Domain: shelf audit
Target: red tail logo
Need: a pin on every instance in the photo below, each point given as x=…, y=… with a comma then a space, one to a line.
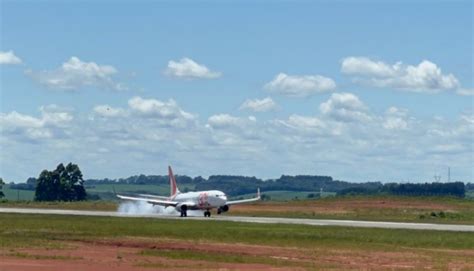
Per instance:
x=173, y=187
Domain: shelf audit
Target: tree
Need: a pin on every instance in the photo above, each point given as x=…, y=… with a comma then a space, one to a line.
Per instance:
x=1, y=186
x=64, y=184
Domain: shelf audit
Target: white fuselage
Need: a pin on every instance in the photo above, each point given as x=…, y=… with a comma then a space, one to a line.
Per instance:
x=201, y=200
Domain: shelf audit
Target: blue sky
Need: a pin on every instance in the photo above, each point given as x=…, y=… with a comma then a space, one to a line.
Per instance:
x=91, y=83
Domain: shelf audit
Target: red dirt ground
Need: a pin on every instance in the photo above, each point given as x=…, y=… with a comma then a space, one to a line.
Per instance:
x=118, y=255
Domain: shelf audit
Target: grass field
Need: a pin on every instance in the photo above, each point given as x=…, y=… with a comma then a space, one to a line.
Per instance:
x=14, y=195
x=148, y=243
x=378, y=208
x=470, y=194
x=385, y=208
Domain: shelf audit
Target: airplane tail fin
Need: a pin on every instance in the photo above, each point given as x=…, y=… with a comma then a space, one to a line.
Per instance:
x=173, y=187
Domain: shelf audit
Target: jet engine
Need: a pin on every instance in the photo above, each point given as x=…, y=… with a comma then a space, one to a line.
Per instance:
x=181, y=207
x=223, y=209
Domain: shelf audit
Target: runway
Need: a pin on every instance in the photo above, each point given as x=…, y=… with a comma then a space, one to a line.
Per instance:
x=266, y=220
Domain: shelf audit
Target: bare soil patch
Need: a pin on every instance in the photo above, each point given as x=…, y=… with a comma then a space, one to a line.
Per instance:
x=125, y=254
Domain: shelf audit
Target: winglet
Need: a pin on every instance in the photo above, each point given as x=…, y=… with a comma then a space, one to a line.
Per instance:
x=258, y=193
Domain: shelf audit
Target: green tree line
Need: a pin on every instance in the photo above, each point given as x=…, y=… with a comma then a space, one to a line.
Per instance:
x=1, y=186
x=65, y=183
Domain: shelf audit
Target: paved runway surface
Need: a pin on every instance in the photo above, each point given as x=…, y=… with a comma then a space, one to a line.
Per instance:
x=269, y=220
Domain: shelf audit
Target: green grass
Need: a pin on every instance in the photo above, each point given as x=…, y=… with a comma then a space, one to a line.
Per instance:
x=75, y=205
x=455, y=210
x=470, y=194
x=321, y=246
x=41, y=257
x=21, y=230
x=221, y=257
x=14, y=194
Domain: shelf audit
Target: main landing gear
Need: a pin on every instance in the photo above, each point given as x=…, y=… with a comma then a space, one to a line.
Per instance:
x=184, y=211
x=207, y=213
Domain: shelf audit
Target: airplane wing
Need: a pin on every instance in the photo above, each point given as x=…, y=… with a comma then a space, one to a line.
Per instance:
x=154, y=196
x=233, y=202
x=151, y=201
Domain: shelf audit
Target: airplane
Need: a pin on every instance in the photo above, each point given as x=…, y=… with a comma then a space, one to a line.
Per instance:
x=199, y=200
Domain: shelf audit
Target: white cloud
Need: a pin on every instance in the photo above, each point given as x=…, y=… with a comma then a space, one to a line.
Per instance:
x=75, y=74
x=300, y=85
x=9, y=57
x=157, y=108
x=256, y=105
x=366, y=66
x=395, y=119
x=188, y=68
x=303, y=123
x=395, y=124
x=465, y=91
x=344, y=107
x=221, y=121
x=53, y=115
x=468, y=118
x=425, y=77
x=24, y=127
x=15, y=120
x=142, y=111
x=109, y=111
x=227, y=131
x=165, y=113
x=384, y=147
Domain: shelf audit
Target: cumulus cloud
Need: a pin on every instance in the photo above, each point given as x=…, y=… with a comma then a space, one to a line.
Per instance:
x=75, y=74
x=345, y=107
x=141, y=110
x=383, y=146
x=9, y=58
x=424, y=77
x=189, y=69
x=395, y=119
x=298, y=125
x=227, y=131
x=227, y=121
x=109, y=111
x=259, y=105
x=25, y=127
x=366, y=66
x=222, y=120
x=300, y=85
x=158, y=109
